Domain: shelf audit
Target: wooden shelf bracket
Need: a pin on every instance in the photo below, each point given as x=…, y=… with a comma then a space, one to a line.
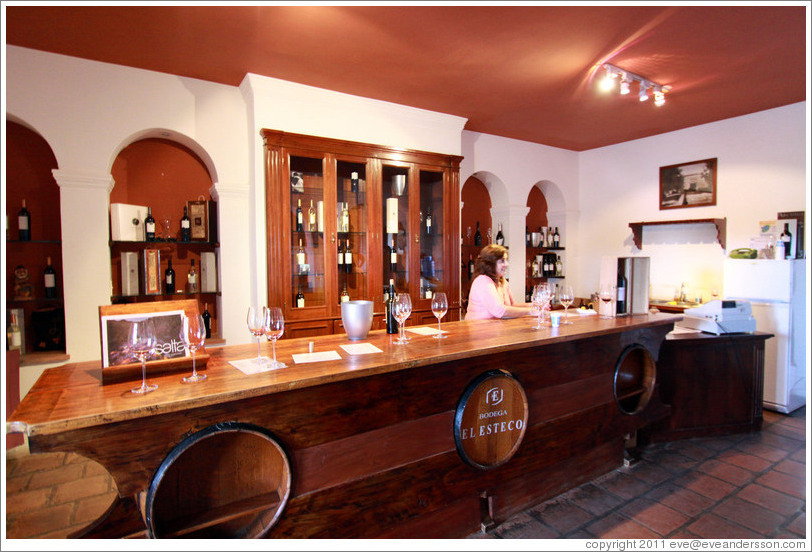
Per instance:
x=720, y=223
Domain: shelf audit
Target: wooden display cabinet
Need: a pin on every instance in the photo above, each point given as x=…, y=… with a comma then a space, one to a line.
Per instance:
x=350, y=185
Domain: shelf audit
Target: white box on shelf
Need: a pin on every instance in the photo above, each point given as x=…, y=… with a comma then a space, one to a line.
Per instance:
x=127, y=221
x=208, y=272
x=129, y=273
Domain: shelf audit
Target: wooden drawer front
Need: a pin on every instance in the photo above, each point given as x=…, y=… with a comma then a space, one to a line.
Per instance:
x=308, y=328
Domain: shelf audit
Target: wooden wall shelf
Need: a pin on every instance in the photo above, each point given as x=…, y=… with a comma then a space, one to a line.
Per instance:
x=720, y=223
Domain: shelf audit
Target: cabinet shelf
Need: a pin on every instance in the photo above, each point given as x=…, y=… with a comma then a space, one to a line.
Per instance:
x=136, y=245
x=543, y=249
x=720, y=223
x=48, y=242
x=160, y=296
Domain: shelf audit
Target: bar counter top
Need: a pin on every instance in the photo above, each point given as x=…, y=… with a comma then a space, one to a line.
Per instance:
x=73, y=397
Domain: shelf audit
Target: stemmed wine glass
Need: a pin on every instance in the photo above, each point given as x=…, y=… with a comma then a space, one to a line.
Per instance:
x=402, y=308
x=193, y=335
x=274, y=328
x=566, y=296
x=256, y=325
x=439, y=306
x=142, y=342
x=607, y=294
x=541, y=300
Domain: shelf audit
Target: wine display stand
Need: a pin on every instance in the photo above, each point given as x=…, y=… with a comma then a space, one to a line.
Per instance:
x=396, y=209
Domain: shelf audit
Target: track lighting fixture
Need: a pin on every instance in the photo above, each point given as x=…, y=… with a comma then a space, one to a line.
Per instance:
x=614, y=74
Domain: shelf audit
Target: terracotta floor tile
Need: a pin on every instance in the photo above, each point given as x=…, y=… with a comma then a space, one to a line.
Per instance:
x=561, y=515
x=615, y=526
x=650, y=473
x=784, y=483
x=744, y=460
x=675, y=462
x=761, y=450
x=65, y=474
x=623, y=485
x=750, y=515
x=705, y=485
x=524, y=526
x=798, y=525
x=778, y=502
x=593, y=499
x=681, y=499
x=692, y=449
x=790, y=467
x=657, y=517
x=714, y=527
x=726, y=472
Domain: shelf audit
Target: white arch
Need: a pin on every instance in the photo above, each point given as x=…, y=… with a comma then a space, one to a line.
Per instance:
x=495, y=186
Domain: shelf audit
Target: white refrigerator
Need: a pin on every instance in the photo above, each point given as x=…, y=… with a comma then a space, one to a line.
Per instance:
x=776, y=290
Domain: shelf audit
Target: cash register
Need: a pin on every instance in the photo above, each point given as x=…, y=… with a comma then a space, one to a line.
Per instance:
x=720, y=316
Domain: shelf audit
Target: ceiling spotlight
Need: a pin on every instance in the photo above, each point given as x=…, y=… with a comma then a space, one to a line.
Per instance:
x=643, y=94
x=659, y=96
x=608, y=81
x=624, y=85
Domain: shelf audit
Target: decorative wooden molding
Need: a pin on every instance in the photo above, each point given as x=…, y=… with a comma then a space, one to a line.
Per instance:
x=720, y=223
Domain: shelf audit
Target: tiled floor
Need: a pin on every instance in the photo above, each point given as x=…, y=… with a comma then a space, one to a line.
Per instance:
x=740, y=486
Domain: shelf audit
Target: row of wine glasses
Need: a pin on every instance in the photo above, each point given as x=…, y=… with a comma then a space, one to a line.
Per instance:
x=268, y=322
x=402, y=309
x=143, y=342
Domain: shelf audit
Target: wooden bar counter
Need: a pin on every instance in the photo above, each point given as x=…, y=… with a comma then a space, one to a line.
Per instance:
x=366, y=446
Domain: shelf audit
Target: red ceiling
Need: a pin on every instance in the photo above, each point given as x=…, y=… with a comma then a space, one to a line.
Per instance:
x=525, y=72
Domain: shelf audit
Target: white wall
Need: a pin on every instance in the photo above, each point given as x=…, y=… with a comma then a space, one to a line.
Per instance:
x=760, y=172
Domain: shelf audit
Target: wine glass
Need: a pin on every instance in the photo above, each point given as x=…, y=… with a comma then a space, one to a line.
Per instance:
x=256, y=325
x=274, y=328
x=566, y=296
x=439, y=306
x=607, y=294
x=541, y=300
x=141, y=342
x=193, y=335
x=402, y=308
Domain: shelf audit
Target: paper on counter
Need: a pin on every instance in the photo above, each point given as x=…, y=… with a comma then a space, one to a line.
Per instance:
x=425, y=330
x=249, y=366
x=680, y=329
x=586, y=312
x=361, y=348
x=303, y=358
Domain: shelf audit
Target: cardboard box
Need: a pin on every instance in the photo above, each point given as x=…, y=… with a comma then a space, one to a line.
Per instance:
x=127, y=222
x=208, y=272
x=129, y=273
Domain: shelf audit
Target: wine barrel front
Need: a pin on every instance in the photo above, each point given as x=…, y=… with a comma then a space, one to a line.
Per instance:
x=635, y=375
x=230, y=480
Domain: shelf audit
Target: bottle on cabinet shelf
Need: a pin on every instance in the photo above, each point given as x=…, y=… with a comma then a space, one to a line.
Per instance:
x=428, y=221
x=527, y=241
x=620, y=304
x=345, y=217
x=49, y=276
x=300, y=298
x=311, y=217
x=477, y=235
x=299, y=217
x=345, y=296
x=169, y=278
x=206, y=316
x=391, y=322
x=149, y=226
x=347, y=258
x=393, y=256
x=340, y=257
x=470, y=267
x=185, y=226
x=13, y=335
x=559, y=267
x=24, y=223
x=556, y=238
x=354, y=182
x=500, y=238
x=786, y=238
x=191, y=279
x=301, y=258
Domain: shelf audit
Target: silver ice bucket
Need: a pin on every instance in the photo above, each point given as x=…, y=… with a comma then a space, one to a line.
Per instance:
x=357, y=318
x=399, y=184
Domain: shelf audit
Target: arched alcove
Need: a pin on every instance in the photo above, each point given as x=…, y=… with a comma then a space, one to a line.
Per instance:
x=476, y=209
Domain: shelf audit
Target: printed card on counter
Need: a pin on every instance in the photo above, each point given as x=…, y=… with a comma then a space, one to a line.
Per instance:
x=425, y=330
x=361, y=348
x=303, y=358
x=249, y=366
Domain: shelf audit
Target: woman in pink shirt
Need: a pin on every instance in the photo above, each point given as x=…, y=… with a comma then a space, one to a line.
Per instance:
x=490, y=296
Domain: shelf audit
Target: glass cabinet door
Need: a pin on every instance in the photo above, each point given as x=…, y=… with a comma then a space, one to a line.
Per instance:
x=432, y=230
x=396, y=231
x=351, y=231
x=307, y=224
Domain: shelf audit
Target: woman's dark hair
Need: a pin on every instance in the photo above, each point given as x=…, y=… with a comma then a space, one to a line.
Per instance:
x=486, y=261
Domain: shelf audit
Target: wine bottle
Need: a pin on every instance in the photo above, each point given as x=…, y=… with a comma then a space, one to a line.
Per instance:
x=185, y=226
x=621, y=292
x=786, y=237
x=345, y=218
x=206, y=316
x=13, y=335
x=559, y=266
x=354, y=182
x=149, y=226
x=527, y=241
x=477, y=235
x=169, y=278
x=391, y=322
x=393, y=255
x=311, y=217
x=191, y=279
x=301, y=259
x=428, y=221
x=556, y=238
x=340, y=257
x=500, y=238
x=470, y=267
x=49, y=275
x=299, y=217
x=347, y=258
x=300, y=298
x=543, y=242
x=24, y=223
x=344, y=295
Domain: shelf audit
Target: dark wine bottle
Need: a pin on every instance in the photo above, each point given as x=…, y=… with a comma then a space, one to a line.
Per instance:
x=470, y=267
x=191, y=279
x=185, y=226
x=300, y=298
x=527, y=241
x=786, y=237
x=24, y=223
x=621, y=292
x=340, y=257
x=169, y=278
x=393, y=256
x=500, y=238
x=299, y=217
x=391, y=322
x=49, y=275
x=149, y=226
x=556, y=238
x=428, y=221
x=206, y=316
x=477, y=235
x=347, y=258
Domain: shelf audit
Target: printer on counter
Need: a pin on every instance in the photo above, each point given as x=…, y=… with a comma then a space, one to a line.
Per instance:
x=719, y=317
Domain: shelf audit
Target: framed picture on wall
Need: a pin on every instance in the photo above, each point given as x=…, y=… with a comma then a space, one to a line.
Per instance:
x=691, y=184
